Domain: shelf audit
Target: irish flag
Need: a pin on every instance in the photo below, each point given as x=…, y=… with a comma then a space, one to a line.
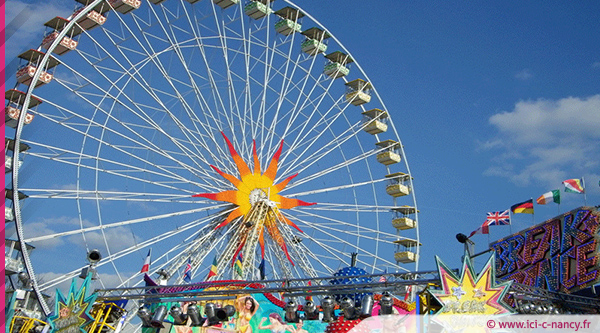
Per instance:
x=574, y=185
x=552, y=196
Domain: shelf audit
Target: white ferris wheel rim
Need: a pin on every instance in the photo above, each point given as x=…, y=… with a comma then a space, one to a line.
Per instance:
x=289, y=162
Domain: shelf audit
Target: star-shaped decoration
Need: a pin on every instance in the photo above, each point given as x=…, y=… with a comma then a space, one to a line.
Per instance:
x=477, y=293
x=72, y=313
x=481, y=291
x=458, y=292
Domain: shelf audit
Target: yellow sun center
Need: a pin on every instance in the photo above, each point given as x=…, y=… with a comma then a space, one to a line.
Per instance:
x=254, y=188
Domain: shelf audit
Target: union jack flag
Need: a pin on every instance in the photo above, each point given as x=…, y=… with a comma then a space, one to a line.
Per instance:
x=497, y=218
x=187, y=273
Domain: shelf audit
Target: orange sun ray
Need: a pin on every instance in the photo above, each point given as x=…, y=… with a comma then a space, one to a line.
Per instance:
x=290, y=223
x=284, y=183
x=276, y=236
x=229, y=196
x=272, y=169
x=232, y=216
x=287, y=203
x=239, y=248
x=239, y=162
x=232, y=179
x=255, y=158
x=261, y=241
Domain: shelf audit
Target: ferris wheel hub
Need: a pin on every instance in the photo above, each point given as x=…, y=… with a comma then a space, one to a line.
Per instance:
x=256, y=195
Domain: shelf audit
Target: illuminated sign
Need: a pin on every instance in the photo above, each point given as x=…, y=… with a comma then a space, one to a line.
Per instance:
x=71, y=314
x=471, y=293
x=560, y=254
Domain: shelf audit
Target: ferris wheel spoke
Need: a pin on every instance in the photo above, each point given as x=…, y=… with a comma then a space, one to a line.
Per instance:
x=333, y=169
x=118, y=224
x=299, y=256
x=143, y=84
x=308, y=256
x=351, y=207
x=336, y=188
x=66, y=158
x=142, y=116
x=69, y=157
x=210, y=75
x=232, y=97
x=127, y=251
x=283, y=89
x=314, y=111
x=340, y=225
x=295, y=111
x=268, y=67
x=335, y=253
x=327, y=246
x=324, y=149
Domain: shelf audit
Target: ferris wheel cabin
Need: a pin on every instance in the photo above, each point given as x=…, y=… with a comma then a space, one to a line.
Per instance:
x=288, y=24
x=67, y=43
x=390, y=153
x=337, y=65
x=406, y=250
x=26, y=72
x=258, y=9
x=94, y=17
x=375, y=121
x=8, y=167
x=125, y=6
x=358, y=92
x=313, y=44
x=12, y=111
x=9, y=214
x=224, y=4
x=396, y=184
x=12, y=256
x=402, y=217
x=27, y=309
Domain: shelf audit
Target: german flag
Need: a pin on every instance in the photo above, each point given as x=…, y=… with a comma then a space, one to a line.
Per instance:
x=525, y=207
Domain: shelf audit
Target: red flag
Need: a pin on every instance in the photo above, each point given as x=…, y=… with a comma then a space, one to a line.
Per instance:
x=484, y=229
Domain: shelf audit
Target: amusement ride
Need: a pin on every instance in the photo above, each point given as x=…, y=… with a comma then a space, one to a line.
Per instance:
x=241, y=136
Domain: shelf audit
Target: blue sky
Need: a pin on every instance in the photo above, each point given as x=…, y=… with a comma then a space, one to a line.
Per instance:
x=495, y=103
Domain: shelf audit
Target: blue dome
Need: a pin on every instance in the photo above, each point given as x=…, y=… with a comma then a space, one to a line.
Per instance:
x=344, y=279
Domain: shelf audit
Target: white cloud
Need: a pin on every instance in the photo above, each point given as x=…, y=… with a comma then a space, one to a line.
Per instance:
x=43, y=227
x=26, y=23
x=117, y=238
x=547, y=141
x=596, y=65
x=524, y=74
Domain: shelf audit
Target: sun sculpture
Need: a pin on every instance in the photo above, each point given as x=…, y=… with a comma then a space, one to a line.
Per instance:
x=258, y=202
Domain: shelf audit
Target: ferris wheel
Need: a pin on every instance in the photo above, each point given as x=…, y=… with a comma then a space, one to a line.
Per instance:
x=241, y=139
